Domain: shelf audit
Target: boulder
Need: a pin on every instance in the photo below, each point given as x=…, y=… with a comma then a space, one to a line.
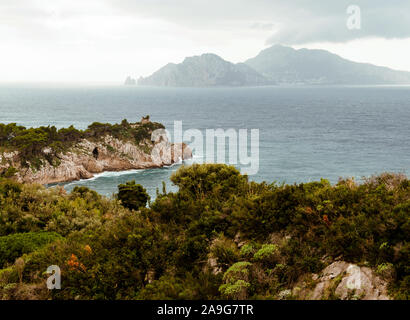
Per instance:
x=346, y=281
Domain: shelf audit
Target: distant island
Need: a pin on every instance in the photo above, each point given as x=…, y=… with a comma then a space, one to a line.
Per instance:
x=275, y=65
x=130, y=81
x=46, y=155
x=204, y=71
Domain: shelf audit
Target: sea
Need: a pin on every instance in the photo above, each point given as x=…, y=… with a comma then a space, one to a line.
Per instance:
x=305, y=132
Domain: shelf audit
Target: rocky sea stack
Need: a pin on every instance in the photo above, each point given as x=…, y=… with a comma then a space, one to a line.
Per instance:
x=48, y=155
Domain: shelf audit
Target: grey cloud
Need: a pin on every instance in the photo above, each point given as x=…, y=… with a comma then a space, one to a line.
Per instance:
x=289, y=21
x=378, y=19
x=297, y=21
x=262, y=26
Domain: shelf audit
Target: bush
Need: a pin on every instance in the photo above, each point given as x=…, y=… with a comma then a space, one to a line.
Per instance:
x=132, y=196
x=267, y=254
x=284, y=232
x=209, y=180
x=8, y=173
x=225, y=251
x=15, y=245
x=236, y=280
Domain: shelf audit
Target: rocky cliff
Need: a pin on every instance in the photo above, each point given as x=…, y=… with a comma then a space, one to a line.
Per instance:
x=341, y=280
x=90, y=156
x=206, y=70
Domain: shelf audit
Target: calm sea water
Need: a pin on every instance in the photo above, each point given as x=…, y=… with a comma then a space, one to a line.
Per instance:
x=305, y=132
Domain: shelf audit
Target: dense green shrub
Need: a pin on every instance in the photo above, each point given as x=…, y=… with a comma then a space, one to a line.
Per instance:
x=224, y=251
x=8, y=173
x=209, y=180
x=132, y=196
x=218, y=236
x=33, y=208
x=15, y=245
x=236, y=280
x=267, y=253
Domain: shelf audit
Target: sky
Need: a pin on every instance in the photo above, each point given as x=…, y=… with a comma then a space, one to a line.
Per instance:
x=106, y=40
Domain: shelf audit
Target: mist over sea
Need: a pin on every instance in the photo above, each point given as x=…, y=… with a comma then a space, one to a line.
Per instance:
x=306, y=133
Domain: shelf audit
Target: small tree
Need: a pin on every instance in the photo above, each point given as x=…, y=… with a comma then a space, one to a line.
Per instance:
x=236, y=280
x=132, y=196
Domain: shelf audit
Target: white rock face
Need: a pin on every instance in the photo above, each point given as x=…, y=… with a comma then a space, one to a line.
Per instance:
x=349, y=281
x=113, y=155
x=7, y=156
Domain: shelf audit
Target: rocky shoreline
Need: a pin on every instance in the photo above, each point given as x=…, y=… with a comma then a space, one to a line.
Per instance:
x=89, y=157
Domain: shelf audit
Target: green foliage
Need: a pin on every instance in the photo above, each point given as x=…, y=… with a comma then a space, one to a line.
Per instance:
x=239, y=270
x=15, y=245
x=132, y=196
x=386, y=270
x=209, y=180
x=186, y=287
x=7, y=275
x=136, y=132
x=8, y=173
x=236, y=290
x=247, y=250
x=267, y=253
x=218, y=236
x=224, y=250
x=236, y=281
x=167, y=288
x=9, y=188
x=33, y=208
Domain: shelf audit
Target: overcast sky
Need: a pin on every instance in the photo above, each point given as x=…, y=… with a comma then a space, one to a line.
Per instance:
x=106, y=40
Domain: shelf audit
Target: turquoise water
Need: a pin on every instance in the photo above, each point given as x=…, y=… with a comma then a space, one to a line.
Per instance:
x=305, y=132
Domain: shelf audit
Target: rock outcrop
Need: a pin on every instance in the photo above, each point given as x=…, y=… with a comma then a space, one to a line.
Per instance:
x=89, y=157
x=345, y=281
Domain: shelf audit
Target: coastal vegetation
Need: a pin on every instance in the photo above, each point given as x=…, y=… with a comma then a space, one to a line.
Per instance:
x=220, y=236
x=45, y=144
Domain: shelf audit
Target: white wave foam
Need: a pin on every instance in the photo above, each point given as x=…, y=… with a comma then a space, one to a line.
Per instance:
x=107, y=174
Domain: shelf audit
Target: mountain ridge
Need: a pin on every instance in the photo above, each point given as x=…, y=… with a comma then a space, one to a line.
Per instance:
x=317, y=66
x=277, y=64
x=207, y=69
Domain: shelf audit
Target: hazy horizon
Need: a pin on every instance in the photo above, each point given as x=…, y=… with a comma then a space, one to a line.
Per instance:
x=105, y=41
